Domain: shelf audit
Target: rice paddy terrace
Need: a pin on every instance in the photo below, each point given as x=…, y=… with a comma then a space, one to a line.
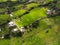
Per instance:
x=30, y=22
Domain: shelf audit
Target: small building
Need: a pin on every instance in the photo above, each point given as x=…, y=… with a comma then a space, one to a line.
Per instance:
x=11, y=15
x=54, y=12
x=22, y=29
x=49, y=12
x=2, y=36
x=11, y=24
x=15, y=29
x=0, y=30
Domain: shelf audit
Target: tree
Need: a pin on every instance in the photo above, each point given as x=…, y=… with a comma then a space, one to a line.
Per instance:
x=58, y=4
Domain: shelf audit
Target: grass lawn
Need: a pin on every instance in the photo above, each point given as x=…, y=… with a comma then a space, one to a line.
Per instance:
x=46, y=33
x=6, y=0
x=16, y=41
x=48, y=38
x=4, y=42
x=3, y=0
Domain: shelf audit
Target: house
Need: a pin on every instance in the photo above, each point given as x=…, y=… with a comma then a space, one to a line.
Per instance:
x=49, y=12
x=11, y=24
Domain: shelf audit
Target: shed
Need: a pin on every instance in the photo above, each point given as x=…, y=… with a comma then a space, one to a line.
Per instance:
x=22, y=29
x=15, y=29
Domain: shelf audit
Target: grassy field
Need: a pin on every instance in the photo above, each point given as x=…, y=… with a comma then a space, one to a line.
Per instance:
x=6, y=0
x=3, y=0
x=4, y=42
x=46, y=33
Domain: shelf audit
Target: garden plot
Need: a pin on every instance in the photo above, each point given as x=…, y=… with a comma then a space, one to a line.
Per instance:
x=32, y=16
x=32, y=5
x=18, y=6
x=23, y=9
x=3, y=0
x=19, y=13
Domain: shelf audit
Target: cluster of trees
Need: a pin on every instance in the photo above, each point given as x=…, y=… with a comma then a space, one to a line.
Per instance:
x=58, y=4
x=4, y=19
